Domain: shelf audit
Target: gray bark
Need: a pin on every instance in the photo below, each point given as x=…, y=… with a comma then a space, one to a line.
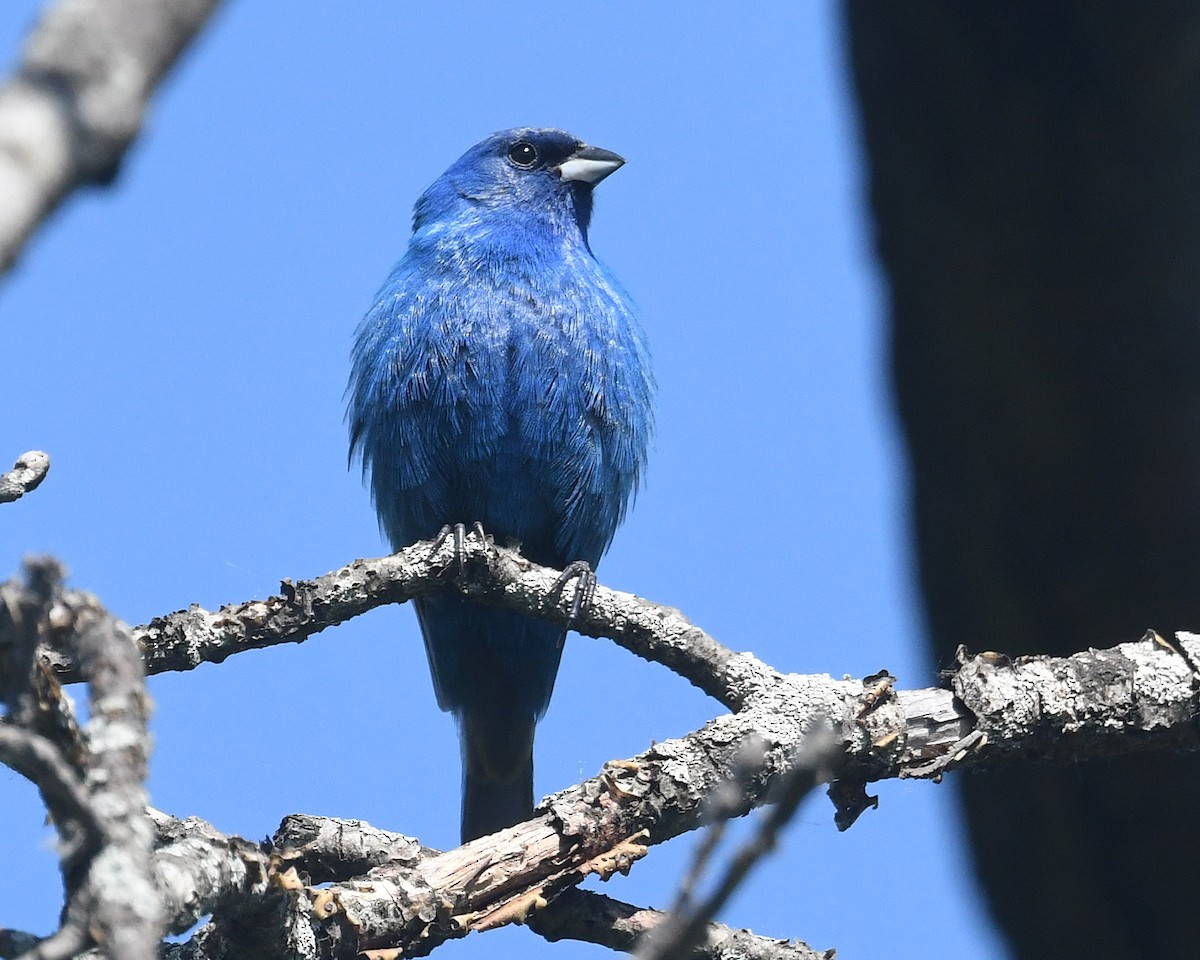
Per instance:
x=78, y=100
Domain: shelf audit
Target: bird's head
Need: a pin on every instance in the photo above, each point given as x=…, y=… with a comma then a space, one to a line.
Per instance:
x=529, y=175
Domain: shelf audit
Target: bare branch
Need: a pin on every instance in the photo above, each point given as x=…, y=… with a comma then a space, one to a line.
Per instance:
x=1132, y=697
x=601, y=826
x=595, y=918
x=92, y=780
x=1135, y=696
x=493, y=575
x=200, y=870
x=38, y=760
x=330, y=849
x=77, y=100
x=25, y=476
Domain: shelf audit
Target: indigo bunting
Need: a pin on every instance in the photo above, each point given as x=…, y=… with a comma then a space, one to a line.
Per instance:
x=502, y=378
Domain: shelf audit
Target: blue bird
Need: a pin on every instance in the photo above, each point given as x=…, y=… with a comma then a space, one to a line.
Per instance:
x=501, y=377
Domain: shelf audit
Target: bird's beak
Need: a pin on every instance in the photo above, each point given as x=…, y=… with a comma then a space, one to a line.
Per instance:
x=590, y=164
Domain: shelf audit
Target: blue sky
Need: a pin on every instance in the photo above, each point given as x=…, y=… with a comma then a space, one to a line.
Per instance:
x=178, y=344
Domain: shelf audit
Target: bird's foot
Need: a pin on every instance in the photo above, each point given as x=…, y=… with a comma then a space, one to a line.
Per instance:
x=585, y=588
x=459, y=532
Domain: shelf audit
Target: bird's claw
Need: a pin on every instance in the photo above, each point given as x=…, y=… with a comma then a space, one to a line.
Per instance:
x=585, y=588
x=459, y=532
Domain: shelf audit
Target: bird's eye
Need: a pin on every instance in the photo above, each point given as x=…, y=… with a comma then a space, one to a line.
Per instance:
x=523, y=153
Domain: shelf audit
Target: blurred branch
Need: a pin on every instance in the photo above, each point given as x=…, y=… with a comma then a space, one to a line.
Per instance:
x=16, y=943
x=39, y=761
x=25, y=476
x=77, y=100
x=197, y=870
x=91, y=780
x=123, y=909
x=687, y=929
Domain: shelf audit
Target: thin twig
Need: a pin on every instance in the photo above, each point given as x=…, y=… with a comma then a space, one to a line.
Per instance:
x=680, y=935
x=38, y=760
x=726, y=801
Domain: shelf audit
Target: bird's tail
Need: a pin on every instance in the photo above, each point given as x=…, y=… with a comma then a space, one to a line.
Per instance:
x=497, y=772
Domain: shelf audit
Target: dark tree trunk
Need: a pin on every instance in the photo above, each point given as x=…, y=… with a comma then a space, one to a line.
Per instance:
x=1035, y=183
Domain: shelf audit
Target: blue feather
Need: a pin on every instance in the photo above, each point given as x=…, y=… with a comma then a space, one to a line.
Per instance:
x=501, y=376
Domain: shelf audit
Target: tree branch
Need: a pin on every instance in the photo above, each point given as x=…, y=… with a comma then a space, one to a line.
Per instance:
x=92, y=780
x=604, y=825
x=325, y=849
x=493, y=575
x=124, y=910
x=1132, y=697
x=39, y=761
x=687, y=929
x=1135, y=696
x=77, y=100
x=25, y=476
x=595, y=918
x=200, y=870
x=16, y=943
